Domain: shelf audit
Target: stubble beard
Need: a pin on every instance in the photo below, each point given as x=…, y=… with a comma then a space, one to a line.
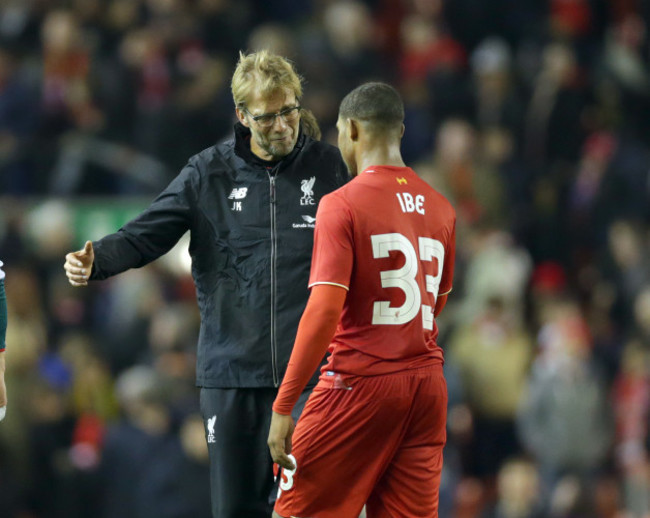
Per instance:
x=278, y=151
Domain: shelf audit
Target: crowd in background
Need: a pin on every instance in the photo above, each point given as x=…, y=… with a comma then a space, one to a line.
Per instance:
x=531, y=116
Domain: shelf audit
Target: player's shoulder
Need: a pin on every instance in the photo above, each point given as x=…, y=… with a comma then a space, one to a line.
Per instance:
x=340, y=200
x=346, y=193
x=438, y=196
x=439, y=199
x=337, y=197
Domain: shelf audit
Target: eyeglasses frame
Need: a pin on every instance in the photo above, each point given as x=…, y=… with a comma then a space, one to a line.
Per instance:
x=281, y=113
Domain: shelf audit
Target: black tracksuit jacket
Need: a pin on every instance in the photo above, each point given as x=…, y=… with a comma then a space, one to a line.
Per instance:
x=251, y=226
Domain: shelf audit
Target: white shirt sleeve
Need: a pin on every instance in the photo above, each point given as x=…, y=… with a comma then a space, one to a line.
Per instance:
x=2, y=274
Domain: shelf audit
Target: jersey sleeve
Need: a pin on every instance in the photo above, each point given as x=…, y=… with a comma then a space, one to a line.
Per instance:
x=333, y=243
x=446, y=282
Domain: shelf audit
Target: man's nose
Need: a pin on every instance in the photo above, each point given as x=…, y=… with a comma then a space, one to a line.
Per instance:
x=279, y=123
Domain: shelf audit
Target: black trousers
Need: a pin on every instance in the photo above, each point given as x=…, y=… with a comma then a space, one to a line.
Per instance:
x=241, y=470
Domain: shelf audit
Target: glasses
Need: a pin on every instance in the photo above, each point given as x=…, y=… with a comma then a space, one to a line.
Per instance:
x=266, y=120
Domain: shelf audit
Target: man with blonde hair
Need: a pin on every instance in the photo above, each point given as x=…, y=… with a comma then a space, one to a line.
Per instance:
x=250, y=206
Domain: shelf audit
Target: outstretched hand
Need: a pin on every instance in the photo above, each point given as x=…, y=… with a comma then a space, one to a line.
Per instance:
x=279, y=441
x=79, y=264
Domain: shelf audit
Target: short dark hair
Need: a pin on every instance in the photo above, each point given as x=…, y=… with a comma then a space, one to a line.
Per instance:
x=376, y=103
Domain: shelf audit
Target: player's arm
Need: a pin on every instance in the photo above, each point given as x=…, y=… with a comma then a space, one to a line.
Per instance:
x=315, y=332
x=447, y=272
x=3, y=333
x=440, y=304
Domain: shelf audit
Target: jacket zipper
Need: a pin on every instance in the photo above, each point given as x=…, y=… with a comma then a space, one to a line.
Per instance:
x=274, y=346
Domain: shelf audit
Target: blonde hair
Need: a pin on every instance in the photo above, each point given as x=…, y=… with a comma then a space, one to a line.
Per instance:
x=265, y=73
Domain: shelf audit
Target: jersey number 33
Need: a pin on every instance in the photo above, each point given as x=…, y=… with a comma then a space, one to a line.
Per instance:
x=405, y=278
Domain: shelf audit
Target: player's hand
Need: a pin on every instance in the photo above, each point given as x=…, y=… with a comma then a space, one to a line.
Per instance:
x=3, y=387
x=279, y=441
x=79, y=264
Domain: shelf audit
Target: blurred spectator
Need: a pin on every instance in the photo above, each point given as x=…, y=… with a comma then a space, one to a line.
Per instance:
x=625, y=62
x=497, y=99
x=475, y=189
x=178, y=476
x=554, y=123
x=459, y=423
x=428, y=47
x=66, y=95
x=496, y=269
x=224, y=24
x=626, y=248
x=564, y=420
x=144, y=53
x=350, y=39
x=610, y=185
x=61, y=483
x=432, y=57
x=517, y=490
x=126, y=312
x=132, y=444
x=91, y=385
x=631, y=399
x=494, y=351
x=18, y=120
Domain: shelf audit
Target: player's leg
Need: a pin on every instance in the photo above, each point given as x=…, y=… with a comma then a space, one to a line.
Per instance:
x=409, y=488
x=237, y=423
x=342, y=443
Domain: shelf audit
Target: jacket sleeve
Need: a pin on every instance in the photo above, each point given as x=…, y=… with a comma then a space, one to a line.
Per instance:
x=152, y=233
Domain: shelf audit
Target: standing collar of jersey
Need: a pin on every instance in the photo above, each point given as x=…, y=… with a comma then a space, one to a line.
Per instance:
x=243, y=148
x=392, y=169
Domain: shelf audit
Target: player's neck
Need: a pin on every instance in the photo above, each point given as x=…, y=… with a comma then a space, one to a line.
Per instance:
x=384, y=155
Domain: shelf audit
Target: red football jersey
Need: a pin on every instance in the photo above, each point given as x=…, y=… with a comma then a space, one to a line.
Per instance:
x=389, y=238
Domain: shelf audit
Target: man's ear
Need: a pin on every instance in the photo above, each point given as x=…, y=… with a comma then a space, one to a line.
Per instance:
x=353, y=129
x=401, y=133
x=241, y=117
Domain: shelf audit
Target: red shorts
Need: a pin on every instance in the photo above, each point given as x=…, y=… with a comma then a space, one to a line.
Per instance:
x=375, y=441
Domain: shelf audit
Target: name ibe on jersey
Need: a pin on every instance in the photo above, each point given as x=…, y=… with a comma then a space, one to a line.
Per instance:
x=410, y=203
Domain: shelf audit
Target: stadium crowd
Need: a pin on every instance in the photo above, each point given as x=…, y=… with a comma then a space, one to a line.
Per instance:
x=531, y=116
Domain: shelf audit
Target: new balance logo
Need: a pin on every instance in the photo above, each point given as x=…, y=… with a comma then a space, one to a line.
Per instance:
x=401, y=180
x=238, y=193
x=211, y=423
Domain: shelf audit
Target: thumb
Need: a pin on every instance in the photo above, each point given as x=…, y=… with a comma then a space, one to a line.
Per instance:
x=88, y=248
